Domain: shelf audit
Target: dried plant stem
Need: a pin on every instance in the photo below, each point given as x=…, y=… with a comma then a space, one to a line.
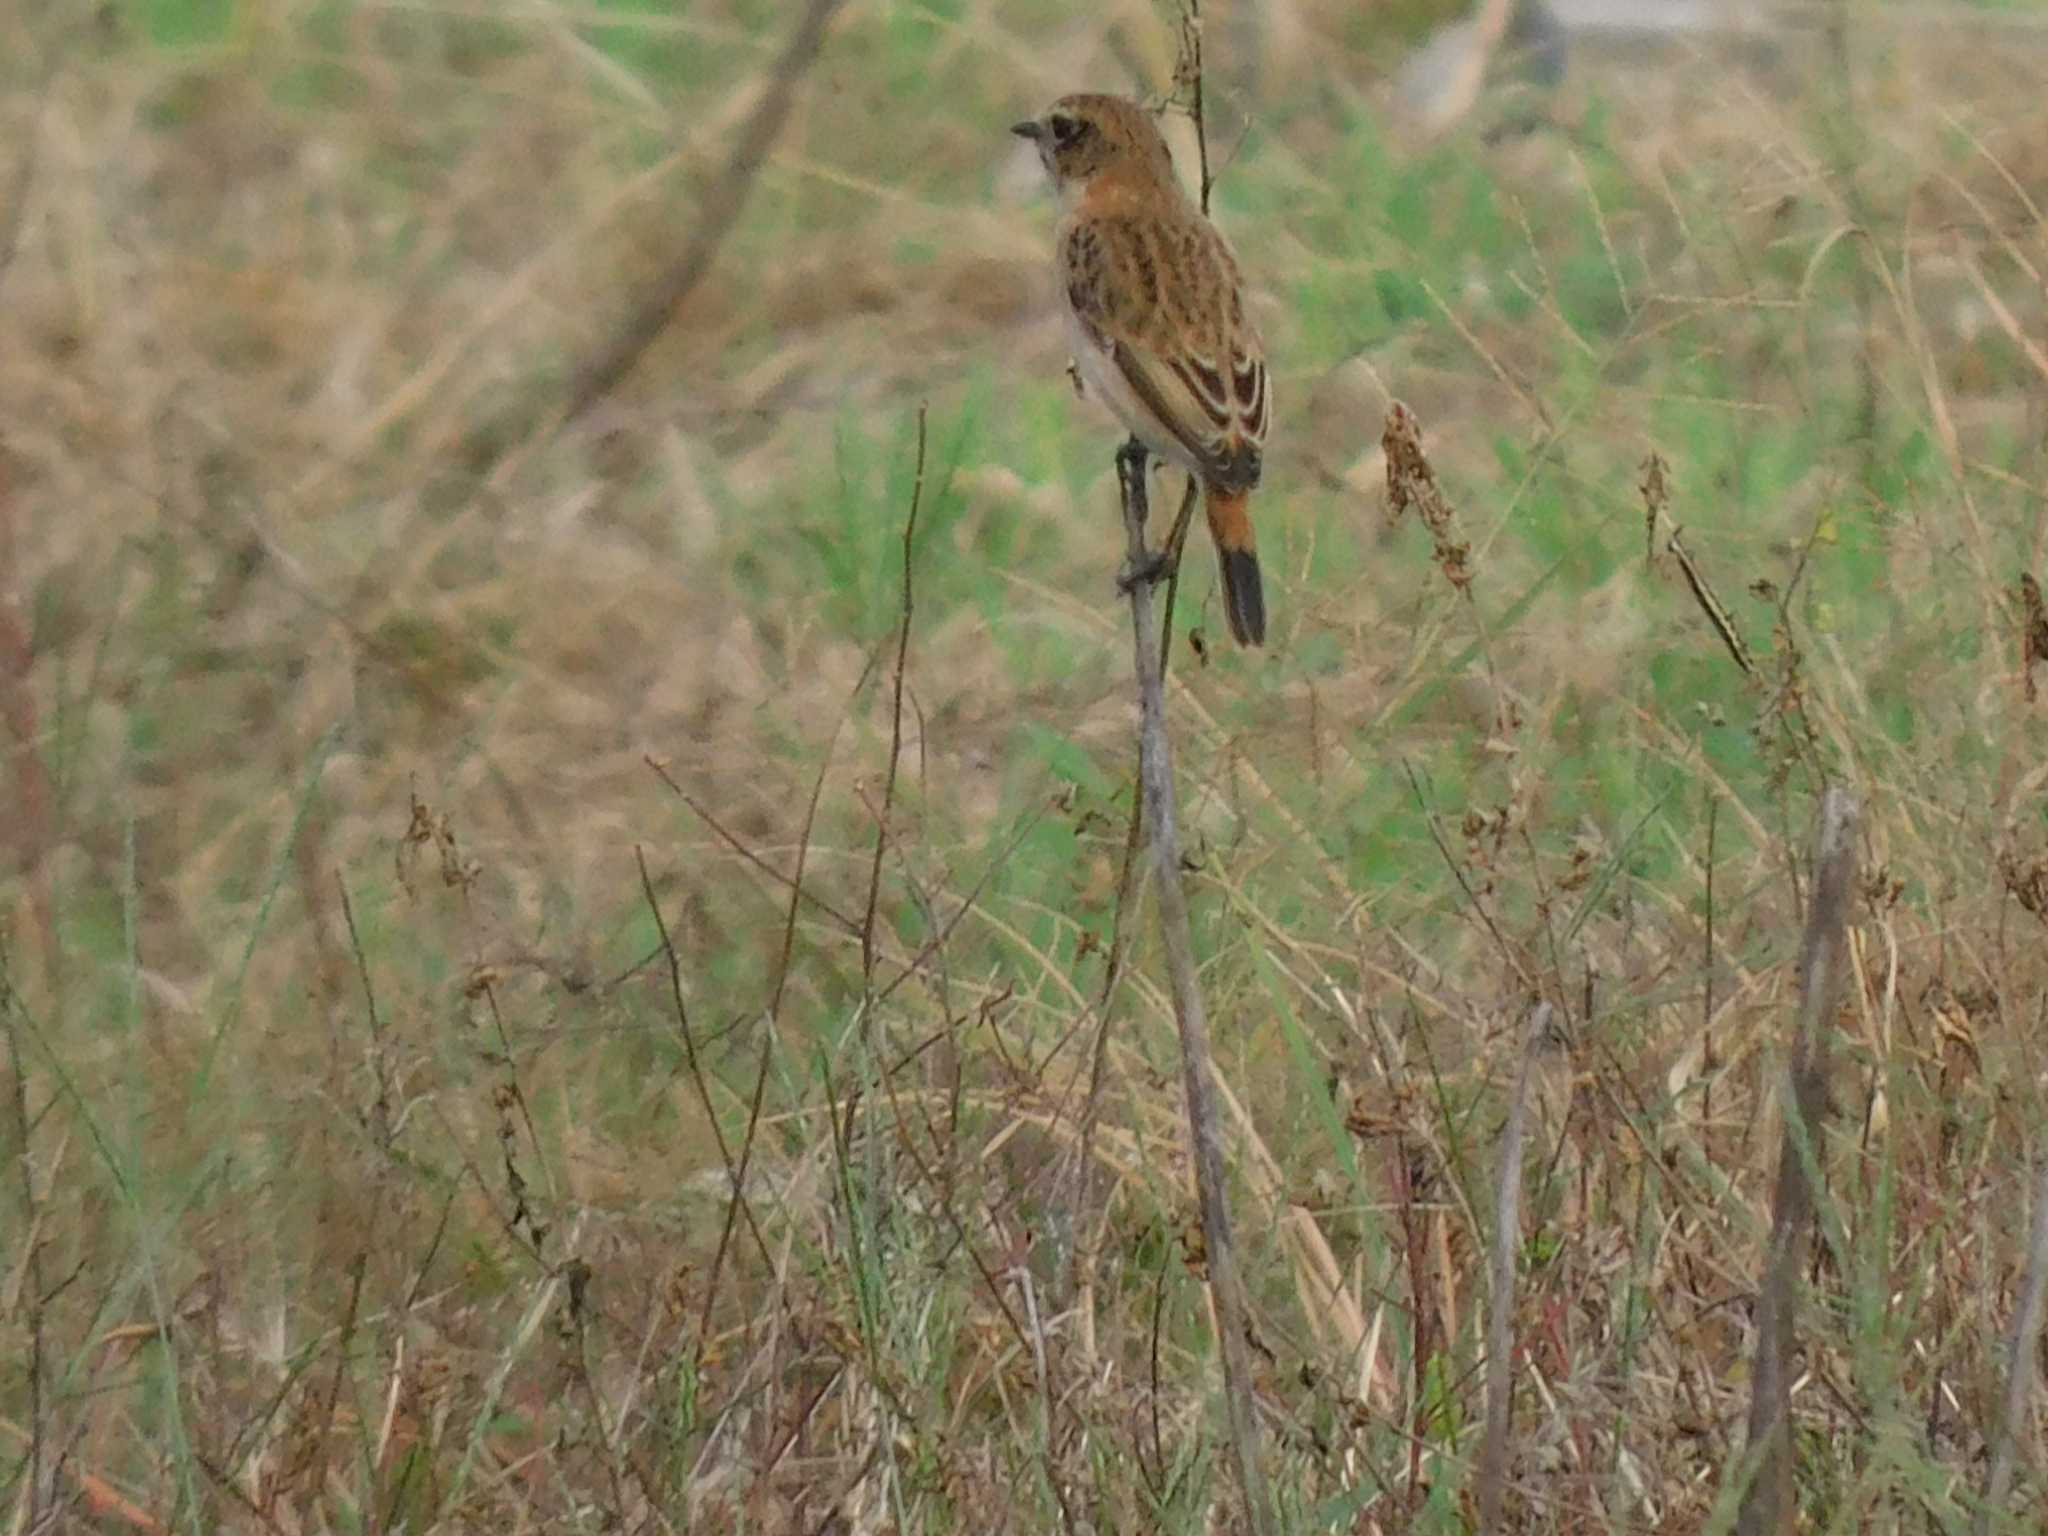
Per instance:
x=1767, y=1501
x=1188, y=75
x=1162, y=835
x=1500, y=1307
x=867, y=921
x=28, y=786
x=735, y=1169
x=38, y=1470
x=2019, y=1357
x=1707, y=1060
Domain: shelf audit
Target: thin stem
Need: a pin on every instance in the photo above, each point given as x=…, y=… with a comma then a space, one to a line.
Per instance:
x=1162, y=833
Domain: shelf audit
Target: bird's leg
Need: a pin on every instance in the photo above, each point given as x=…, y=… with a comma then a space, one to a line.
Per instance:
x=1152, y=566
x=1131, y=460
x=1153, y=569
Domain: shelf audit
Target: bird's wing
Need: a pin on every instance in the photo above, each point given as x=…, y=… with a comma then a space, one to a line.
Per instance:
x=1160, y=296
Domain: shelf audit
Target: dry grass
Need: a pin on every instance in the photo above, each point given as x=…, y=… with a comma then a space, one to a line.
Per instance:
x=373, y=1149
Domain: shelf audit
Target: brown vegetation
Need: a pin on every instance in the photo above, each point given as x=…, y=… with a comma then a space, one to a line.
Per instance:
x=385, y=1150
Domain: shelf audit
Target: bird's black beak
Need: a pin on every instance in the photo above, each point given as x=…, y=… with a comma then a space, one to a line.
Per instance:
x=1032, y=130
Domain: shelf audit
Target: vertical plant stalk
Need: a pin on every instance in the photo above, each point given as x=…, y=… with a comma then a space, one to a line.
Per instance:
x=31, y=788
x=867, y=920
x=28, y=786
x=1162, y=837
x=31, y=1230
x=1708, y=1062
x=1500, y=1307
x=2019, y=1357
x=1767, y=1500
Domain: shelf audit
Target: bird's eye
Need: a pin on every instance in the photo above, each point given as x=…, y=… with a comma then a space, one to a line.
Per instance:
x=1067, y=129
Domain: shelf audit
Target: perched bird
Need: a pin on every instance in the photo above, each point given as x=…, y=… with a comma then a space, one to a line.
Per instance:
x=1157, y=321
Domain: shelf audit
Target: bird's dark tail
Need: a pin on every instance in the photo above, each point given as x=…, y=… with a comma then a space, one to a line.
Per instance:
x=1244, y=595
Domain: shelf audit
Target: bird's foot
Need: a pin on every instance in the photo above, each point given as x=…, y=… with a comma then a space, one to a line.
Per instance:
x=1149, y=571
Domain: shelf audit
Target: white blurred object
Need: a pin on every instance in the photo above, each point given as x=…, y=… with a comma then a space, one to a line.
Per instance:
x=1442, y=80
x=1652, y=16
x=1528, y=42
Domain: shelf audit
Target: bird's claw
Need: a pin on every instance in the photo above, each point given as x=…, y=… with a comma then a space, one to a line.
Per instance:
x=1149, y=571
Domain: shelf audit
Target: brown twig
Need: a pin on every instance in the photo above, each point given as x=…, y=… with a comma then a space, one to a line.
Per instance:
x=1155, y=774
x=1188, y=73
x=803, y=846
x=379, y=1118
x=867, y=919
x=1443, y=847
x=1655, y=487
x=716, y=216
x=732, y=841
x=1500, y=1307
x=102, y=1500
x=1405, y=1175
x=31, y=1230
x=2019, y=1358
x=943, y=933
x=33, y=834
x=2033, y=633
x=733, y=1170
x=1708, y=1062
x=1118, y=934
x=1767, y=1500
x=1710, y=603
x=738, y=1201
x=17, y=704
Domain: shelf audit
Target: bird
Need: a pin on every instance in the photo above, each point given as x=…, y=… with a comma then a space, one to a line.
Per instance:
x=1156, y=318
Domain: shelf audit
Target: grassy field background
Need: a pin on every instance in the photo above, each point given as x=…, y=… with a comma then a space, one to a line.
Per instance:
x=372, y=1148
